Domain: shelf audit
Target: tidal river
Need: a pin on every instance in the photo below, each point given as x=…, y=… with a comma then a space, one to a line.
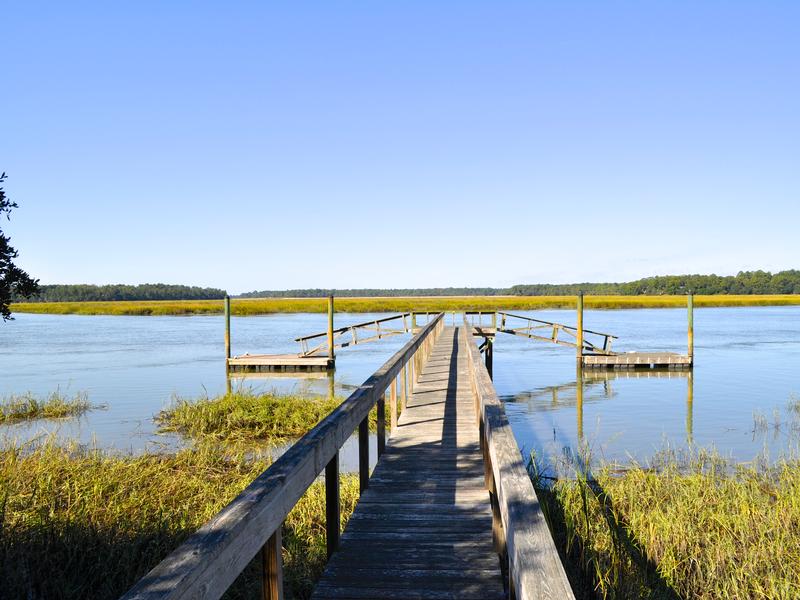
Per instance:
x=743, y=398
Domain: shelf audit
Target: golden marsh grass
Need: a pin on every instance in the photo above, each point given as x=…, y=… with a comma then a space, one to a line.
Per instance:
x=264, y=306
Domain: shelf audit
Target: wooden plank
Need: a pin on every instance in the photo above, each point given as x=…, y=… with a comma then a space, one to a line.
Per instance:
x=423, y=528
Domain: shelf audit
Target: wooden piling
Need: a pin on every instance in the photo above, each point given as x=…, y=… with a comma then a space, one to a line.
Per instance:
x=227, y=327
x=579, y=332
x=330, y=327
x=690, y=310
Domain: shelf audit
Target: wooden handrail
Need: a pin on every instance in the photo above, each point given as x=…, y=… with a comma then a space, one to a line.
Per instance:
x=206, y=564
x=561, y=325
x=522, y=537
x=349, y=327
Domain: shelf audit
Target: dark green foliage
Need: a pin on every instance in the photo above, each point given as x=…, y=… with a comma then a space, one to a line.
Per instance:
x=745, y=282
x=374, y=292
x=105, y=293
x=14, y=282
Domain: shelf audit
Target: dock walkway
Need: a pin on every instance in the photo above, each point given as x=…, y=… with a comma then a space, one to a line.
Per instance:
x=423, y=528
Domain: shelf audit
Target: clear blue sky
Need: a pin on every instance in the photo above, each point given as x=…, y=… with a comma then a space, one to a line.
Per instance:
x=348, y=144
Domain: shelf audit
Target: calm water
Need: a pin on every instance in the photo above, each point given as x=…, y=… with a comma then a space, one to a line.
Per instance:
x=746, y=364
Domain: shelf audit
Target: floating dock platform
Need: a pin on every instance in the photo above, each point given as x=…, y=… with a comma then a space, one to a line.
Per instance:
x=637, y=360
x=281, y=363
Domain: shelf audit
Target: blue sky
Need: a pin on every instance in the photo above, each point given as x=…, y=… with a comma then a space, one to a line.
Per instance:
x=357, y=144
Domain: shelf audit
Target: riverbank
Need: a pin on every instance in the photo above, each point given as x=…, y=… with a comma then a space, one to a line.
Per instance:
x=264, y=306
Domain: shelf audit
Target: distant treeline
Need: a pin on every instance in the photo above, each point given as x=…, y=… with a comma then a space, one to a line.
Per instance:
x=745, y=282
x=373, y=292
x=145, y=291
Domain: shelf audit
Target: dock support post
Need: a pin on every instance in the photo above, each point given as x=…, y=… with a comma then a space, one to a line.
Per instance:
x=413, y=322
x=363, y=455
x=489, y=356
x=393, y=405
x=579, y=333
x=404, y=388
x=227, y=328
x=332, y=512
x=330, y=327
x=690, y=308
x=381, y=424
x=272, y=567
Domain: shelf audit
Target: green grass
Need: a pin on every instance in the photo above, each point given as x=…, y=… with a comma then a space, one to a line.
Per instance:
x=27, y=406
x=703, y=530
x=263, y=306
x=78, y=523
x=244, y=415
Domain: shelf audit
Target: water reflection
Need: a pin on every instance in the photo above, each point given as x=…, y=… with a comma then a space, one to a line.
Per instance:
x=596, y=386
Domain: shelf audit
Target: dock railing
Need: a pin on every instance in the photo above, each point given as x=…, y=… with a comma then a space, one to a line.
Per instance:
x=209, y=561
x=522, y=538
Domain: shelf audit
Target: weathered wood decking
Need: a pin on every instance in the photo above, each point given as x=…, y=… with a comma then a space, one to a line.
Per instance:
x=423, y=528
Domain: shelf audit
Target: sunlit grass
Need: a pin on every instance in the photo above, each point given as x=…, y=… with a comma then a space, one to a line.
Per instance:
x=56, y=405
x=245, y=415
x=263, y=306
x=77, y=523
x=703, y=530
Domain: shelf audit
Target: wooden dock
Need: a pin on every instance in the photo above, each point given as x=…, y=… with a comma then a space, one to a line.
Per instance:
x=261, y=363
x=423, y=528
x=448, y=512
x=637, y=360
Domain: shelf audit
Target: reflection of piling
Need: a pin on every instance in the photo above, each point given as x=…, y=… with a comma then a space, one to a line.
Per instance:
x=227, y=326
x=330, y=327
x=690, y=408
x=690, y=308
x=579, y=403
x=331, y=386
x=579, y=333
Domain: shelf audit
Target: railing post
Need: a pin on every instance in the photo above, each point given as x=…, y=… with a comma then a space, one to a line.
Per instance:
x=363, y=455
x=332, y=512
x=393, y=405
x=272, y=567
x=404, y=388
x=227, y=327
x=381, y=422
x=489, y=356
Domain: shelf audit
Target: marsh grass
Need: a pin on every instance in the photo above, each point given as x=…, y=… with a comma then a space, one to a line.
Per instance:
x=246, y=415
x=263, y=306
x=703, y=529
x=78, y=523
x=56, y=405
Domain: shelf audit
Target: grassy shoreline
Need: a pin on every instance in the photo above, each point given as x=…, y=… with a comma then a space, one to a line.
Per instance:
x=77, y=523
x=706, y=531
x=265, y=306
